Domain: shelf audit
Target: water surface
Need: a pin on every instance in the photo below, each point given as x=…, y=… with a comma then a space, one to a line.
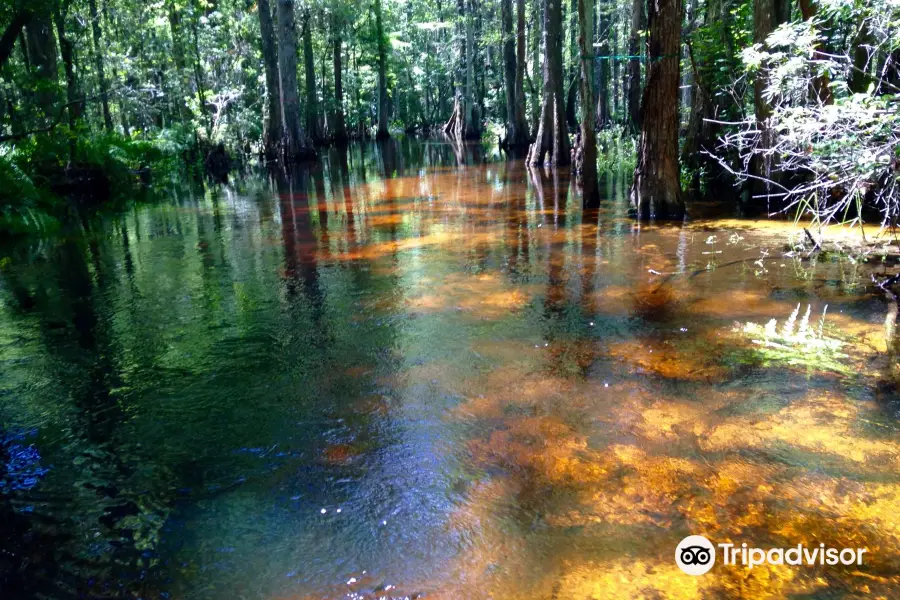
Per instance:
x=399, y=374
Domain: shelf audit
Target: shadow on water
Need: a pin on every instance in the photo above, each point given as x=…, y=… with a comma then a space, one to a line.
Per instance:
x=408, y=369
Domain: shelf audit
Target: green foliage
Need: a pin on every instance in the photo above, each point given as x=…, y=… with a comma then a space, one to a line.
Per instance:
x=24, y=207
x=29, y=170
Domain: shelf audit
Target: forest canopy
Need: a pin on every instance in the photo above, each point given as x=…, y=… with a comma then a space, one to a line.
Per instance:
x=781, y=106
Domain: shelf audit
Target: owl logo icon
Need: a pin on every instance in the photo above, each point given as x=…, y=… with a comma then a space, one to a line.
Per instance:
x=695, y=555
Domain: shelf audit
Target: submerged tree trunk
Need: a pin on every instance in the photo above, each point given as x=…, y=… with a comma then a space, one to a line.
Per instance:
x=656, y=191
x=551, y=144
x=638, y=24
x=98, y=64
x=383, y=132
x=313, y=126
x=340, y=127
x=296, y=145
x=274, y=124
x=586, y=156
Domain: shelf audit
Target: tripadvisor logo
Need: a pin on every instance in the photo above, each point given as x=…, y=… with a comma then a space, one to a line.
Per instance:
x=696, y=555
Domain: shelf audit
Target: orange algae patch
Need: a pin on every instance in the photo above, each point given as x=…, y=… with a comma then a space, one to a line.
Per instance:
x=486, y=296
x=669, y=360
x=546, y=448
x=822, y=424
x=658, y=579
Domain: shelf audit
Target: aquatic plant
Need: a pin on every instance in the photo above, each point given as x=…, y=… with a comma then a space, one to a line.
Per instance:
x=798, y=342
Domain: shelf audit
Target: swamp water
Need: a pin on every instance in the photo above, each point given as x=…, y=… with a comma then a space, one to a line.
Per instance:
x=390, y=376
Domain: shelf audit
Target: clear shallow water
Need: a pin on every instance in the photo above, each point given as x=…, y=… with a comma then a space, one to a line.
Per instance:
x=392, y=376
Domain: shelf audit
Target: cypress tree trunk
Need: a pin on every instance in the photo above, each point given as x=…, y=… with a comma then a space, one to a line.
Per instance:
x=551, y=145
x=614, y=63
x=41, y=43
x=767, y=15
x=461, y=124
x=586, y=156
x=274, y=124
x=198, y=76
x=383, y=132
x=536, y=28
x=656, y=191
x=516, y=128
x=67, y=50
x=13, y=32
x=603, y=83
x=638, y=24
x=296, y=145
x=340, y=127
x=522, y=136
x=312, y=99
x=98, y=64
x=820, y=84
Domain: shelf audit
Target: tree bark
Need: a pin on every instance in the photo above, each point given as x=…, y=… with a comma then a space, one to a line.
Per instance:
x=313, y=126
x=551, y=145
x=296, y=145
x=516, y=127
x=638, y=24
x=586, y=156
x=383, y=132
x=274, y=124
x=656, y=191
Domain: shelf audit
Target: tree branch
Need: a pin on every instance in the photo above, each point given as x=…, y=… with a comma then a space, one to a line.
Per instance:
x=7, y=42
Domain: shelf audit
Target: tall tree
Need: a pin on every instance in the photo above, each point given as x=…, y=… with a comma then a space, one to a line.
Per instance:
x=604, y=83
x=274, y=129
x=551, y=144
x=41, y=43
x=638, y=24
x=12, y=33
x=313, y=122
x=767, y=16
x=74, y=104
x=463, y=123
x=98, y=55
x=586, y=161
x=514, y=61
x=522, y=129
x=296, y=145
x=383, y=132
x=340, y=127
x=656, y=191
